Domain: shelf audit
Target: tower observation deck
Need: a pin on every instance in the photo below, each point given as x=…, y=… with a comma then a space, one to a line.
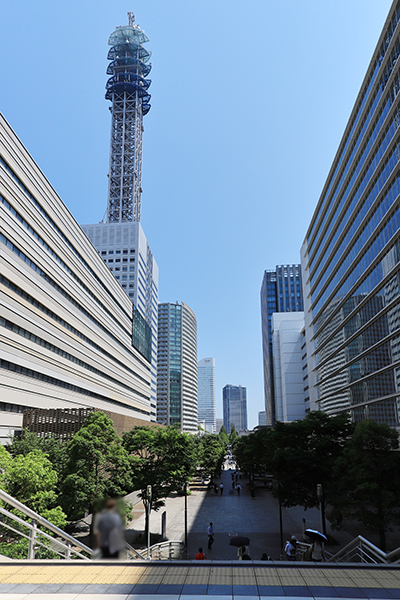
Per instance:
x=127, y=88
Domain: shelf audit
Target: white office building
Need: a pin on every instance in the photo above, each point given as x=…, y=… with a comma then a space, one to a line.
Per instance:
x=290, y=371
x=125, y=250
x=206, y=393
x=177, y=366
x=69, y=336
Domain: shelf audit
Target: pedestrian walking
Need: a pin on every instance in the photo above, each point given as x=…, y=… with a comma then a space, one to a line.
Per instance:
x=291, y=548
x=210, y=532
x=221, y=488
x=238, y=487
x=317, y=552
x=200, y=555
x=110, y=531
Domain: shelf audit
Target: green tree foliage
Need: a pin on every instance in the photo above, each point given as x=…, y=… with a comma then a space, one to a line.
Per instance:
x=223, y=436
x=165, y=459
x=53, y=447
x=367, y=477
x=211, y=453
x=30, y=479
x=233, y=436
x=254, y=452
x=97, y=466
x=304, y=456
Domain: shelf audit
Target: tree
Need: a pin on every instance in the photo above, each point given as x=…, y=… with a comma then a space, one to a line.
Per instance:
x=166, y=459
x=97, y=466
x=367, y=477
x=304, y=456
x=223, y=436
x=211, y=454
x=52, y=446
x=254, y=452
x=31, y=480
x=233, y=436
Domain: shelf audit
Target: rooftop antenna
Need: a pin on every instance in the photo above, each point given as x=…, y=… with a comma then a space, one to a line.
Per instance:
x=131, y=18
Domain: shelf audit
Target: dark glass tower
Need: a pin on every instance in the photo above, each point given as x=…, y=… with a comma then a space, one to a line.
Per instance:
x=235, y=407
x=281, y=291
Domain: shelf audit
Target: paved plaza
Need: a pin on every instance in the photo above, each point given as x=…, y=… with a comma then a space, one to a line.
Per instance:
x=257, y=518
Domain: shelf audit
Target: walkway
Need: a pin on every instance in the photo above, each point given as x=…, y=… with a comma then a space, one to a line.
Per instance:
x=195, y=580
x=258, y=519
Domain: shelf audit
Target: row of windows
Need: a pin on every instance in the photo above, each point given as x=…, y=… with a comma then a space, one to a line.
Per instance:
x=10, y=285
x=60, y=261
x=9, y=366
x=59, y=289
x=349, y=216
x=124, y=251
x=374, y=276
x=356, y=168
x=118, y=260
x=380, y=239
x=60, y=233
x=360, y=109
x=41, y=342
x=352, y=246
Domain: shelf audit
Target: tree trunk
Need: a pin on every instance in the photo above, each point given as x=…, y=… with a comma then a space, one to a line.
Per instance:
x=382, y=533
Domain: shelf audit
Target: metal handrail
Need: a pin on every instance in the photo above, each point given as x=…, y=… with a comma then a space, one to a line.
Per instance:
x=39, y=520
x=365, y=550
x=156, y=551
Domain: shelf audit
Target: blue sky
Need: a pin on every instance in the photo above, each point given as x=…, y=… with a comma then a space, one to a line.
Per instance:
x=249, y=103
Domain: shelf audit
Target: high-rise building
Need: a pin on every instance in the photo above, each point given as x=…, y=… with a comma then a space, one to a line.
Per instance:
x=290, y=376
x=351, y=254
x=206, y=393
x=177, y=366
x=234, y=399
x=218, y=423
x=69, y=336
x=120, y=240
x=281, y=291
x=262, y=421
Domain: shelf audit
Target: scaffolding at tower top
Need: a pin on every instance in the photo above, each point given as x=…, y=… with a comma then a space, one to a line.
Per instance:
x=127, y=88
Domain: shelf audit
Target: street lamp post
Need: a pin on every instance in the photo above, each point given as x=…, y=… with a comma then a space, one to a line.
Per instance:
x=186, y=522
x=148, y=520
x=280, y=513
x=320, y=495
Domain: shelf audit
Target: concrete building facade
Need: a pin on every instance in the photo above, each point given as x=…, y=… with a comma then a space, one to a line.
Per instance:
x=281, y=291
x=350, y=257
x=68, y=335
x=289, y=374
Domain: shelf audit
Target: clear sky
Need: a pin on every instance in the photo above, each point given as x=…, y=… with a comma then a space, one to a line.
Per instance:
x=249, y=103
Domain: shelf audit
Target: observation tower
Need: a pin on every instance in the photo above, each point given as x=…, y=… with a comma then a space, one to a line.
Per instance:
x=127, y=88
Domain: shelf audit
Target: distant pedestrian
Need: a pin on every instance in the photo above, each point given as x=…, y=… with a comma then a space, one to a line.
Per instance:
x=264, y=556
x=200, y=555
x=238, y=487
x=210, y=532
x=253, y=493
x=317, y=552
x=221, y=488
x=291, y=548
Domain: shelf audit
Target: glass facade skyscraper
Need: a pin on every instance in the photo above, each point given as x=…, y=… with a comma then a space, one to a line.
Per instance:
x=281, y=291
x=235, y=407
x=177, y=366
x=206, y=393
x=351, y=254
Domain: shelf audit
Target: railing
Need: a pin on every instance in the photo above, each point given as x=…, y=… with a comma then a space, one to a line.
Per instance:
x=171, y=550
x=61, y=543
x=362, y=551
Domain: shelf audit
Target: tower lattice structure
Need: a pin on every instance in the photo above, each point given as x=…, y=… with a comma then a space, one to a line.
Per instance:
x=127, y=88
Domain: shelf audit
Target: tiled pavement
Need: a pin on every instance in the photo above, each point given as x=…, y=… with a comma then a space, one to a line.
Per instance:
x=189, y=580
